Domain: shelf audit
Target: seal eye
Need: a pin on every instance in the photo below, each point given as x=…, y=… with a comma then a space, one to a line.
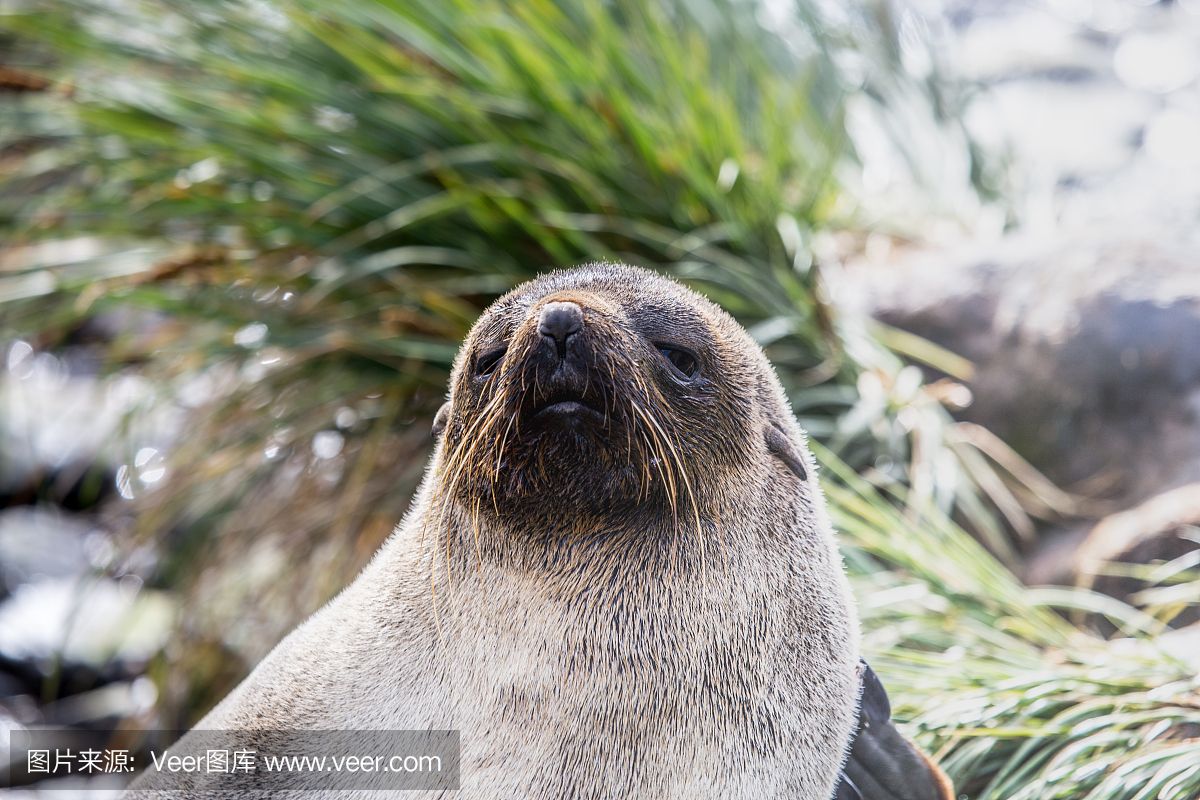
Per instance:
x=486, y=364
x=683, y=363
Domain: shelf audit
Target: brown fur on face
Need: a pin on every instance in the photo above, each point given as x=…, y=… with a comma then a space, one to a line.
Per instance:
x=660, y=455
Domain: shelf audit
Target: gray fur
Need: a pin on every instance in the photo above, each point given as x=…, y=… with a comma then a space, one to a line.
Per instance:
x=585, y=655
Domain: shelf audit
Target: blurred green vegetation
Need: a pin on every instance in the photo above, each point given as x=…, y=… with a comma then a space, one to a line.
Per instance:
x=304, y=206
x=361, y=178
x=1013, y=699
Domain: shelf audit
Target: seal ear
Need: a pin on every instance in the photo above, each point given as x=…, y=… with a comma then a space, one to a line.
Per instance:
x=441, y=419
x=780, y=445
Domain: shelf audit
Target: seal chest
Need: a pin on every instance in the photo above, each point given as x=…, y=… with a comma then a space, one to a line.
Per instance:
x=617, y=578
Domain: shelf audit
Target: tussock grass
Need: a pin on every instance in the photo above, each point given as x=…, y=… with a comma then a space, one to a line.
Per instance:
x=1014, y=700
x=362, y=177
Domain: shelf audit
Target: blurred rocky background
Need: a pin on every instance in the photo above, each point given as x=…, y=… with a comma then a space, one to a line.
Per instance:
x=1082, y=322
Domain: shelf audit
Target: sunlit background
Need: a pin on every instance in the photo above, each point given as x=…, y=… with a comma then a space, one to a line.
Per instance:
x=243, y=239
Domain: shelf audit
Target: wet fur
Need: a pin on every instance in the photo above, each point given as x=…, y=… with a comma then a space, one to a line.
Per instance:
x=655, y=609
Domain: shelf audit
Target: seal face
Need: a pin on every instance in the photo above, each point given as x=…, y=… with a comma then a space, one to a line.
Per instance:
x=609, y=390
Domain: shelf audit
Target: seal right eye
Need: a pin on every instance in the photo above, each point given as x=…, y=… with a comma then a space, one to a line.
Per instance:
x=486, y=364
x=682, y=362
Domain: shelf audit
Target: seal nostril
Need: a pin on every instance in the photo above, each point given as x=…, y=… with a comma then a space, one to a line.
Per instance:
x=559, y=321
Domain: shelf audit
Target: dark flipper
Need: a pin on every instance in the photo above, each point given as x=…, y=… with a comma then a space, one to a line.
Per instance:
x=883, y=765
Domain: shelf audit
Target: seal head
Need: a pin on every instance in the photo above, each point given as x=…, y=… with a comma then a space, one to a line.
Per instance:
x=614, y=392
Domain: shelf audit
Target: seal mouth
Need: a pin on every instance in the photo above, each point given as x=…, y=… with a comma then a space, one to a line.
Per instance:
x=566, y=403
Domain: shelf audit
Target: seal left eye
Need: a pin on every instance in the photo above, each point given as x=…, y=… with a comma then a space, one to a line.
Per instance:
x=486, y=364
x=682, y=362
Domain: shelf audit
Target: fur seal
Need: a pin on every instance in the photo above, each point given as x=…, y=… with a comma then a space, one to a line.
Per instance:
x=617, y=578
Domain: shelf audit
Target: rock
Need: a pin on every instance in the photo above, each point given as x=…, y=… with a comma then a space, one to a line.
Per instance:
x=83, y=621
x=1163, y=531
x=63, y=432
x=1086, y=349
x=39, y=543
x=1086, y=354
x=1170, y=515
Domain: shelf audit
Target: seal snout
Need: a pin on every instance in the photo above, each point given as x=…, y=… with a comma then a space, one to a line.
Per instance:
x=565, y=385
x=558, y=322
